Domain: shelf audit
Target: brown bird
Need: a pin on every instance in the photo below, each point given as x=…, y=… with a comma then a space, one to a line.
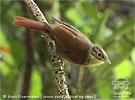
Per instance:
x=70, y=43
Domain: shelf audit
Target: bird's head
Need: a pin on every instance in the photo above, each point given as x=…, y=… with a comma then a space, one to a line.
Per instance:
x=98, y=55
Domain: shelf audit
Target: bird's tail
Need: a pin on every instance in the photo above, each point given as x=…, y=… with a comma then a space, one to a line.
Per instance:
x=29, y=23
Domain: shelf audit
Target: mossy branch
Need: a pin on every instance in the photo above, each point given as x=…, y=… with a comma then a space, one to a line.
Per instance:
x=56, y=61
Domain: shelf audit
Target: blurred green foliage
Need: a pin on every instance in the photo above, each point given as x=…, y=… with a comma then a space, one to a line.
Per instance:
x=107, y=23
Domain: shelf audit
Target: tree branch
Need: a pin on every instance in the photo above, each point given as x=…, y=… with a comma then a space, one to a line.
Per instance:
x=56, y=61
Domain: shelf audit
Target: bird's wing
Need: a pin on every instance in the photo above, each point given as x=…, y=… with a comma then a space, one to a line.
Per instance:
x=71, y=43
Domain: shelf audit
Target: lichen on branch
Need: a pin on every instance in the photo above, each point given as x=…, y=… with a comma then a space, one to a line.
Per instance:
x=56, y=61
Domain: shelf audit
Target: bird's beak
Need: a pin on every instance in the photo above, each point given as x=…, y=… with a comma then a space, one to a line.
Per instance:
x=107, y=61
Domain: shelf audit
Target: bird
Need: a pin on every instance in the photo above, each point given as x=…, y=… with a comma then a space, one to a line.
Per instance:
x=71, y=44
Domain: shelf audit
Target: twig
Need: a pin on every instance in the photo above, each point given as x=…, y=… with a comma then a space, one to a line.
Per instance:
x=57, y=62
x=29, y=44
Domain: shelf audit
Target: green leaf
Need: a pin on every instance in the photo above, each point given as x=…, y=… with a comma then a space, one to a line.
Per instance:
x=133, y=55
x=2, y=38
x=36, y=84
x=78, y=21
x=124, y=69
x=101, y=24
x=73, y=16
x=126, y=28
x=90, y=9
x=18, y=51
x=104, y=88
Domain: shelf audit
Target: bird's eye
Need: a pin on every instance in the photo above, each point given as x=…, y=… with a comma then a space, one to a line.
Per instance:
x=99, y=54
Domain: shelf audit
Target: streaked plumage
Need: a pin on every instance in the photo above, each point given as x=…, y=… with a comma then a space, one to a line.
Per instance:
x=71, y=43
